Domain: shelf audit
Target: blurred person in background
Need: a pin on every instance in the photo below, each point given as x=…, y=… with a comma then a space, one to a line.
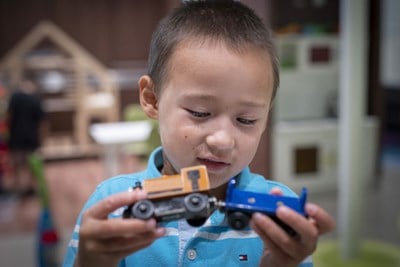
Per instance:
x=26, y=128
x=3, y=137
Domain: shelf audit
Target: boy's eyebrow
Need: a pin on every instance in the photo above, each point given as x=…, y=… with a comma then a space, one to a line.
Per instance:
x=257, y=104
x=192, y=96
x=211, y=98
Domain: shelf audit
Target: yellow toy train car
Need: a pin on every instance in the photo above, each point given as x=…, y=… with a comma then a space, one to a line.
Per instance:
x=174, y=197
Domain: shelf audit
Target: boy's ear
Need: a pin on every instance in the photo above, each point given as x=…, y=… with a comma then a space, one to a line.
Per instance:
x=148, y=98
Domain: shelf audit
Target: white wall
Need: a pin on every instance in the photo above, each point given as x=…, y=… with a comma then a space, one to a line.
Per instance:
x=390, y=43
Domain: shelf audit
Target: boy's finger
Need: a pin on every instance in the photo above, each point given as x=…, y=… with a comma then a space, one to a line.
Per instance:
x=307, y=232
x=276, y=191
x=270, y=245
x=272, y=235
x=295, y=248
x=324, y=222
x=101, y=209
x=130, y=244
x=118, y=228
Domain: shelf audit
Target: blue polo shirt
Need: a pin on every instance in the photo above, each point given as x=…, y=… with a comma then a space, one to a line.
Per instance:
x=213, y=244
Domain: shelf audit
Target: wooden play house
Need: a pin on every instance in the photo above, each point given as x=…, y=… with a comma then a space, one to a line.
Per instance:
x=76, y=88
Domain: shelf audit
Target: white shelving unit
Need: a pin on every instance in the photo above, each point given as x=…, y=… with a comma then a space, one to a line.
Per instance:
x=305, y=133
x=309, y=77
x=321, y=138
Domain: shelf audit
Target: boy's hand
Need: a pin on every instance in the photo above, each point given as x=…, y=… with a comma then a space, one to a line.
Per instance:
x=103, y=241
x=283, y=250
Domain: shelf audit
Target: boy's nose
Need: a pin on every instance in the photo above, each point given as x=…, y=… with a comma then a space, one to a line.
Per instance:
x=220, y=140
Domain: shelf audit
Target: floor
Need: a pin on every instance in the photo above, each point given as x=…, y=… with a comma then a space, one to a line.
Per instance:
x=72, y=181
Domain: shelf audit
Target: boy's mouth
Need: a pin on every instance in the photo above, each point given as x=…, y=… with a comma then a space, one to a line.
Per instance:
x=213, y=165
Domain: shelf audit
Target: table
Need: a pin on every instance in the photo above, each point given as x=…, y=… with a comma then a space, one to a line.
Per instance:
x=114, y=134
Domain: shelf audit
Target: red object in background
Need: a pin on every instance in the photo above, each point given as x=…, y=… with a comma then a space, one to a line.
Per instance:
x=3, y=129
x=4, y=158
x=49, y=237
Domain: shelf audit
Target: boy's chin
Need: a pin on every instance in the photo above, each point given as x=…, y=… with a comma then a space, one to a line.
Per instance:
x=218, y=181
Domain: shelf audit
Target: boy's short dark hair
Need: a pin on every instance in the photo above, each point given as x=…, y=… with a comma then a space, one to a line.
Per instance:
x=228, y=21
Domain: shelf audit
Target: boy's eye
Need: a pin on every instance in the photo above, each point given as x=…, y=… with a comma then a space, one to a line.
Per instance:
x=246, y=121
x=198, y=114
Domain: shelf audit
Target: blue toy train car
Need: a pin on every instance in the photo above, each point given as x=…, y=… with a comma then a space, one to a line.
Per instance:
x=240, y=204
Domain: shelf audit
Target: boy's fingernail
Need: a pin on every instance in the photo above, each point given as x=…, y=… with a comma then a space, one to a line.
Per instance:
x=160, y=231
x=257, y=216
x=311, y=208
x=283, y=210
x=150, y=224
x=140, y=194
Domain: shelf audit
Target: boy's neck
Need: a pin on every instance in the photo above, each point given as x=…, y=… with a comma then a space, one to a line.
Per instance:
x=219, y=192
x=167, y=168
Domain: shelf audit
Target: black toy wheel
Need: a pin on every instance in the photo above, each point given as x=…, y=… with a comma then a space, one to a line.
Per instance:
x=195, y=202
x=196, y=222
x=143, y=209
x=238, y=220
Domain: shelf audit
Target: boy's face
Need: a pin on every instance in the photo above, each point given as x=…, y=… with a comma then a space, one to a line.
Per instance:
x=213, y=108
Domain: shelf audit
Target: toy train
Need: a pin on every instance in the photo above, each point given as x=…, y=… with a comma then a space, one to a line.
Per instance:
x=186, y=196
x=239, y=205
x=174, y=197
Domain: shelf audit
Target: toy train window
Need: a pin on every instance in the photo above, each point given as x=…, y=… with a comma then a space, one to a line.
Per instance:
x=194, y=177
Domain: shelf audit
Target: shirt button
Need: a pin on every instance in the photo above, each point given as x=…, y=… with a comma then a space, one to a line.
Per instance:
x=191, y=254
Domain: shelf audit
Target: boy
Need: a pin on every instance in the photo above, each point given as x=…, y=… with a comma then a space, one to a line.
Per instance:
x=212, y=76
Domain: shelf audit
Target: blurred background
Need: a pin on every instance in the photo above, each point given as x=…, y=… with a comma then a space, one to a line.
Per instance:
x=85, y=58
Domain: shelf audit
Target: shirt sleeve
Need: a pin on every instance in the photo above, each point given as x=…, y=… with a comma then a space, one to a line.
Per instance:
x=307, y=262
x=72, y=247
